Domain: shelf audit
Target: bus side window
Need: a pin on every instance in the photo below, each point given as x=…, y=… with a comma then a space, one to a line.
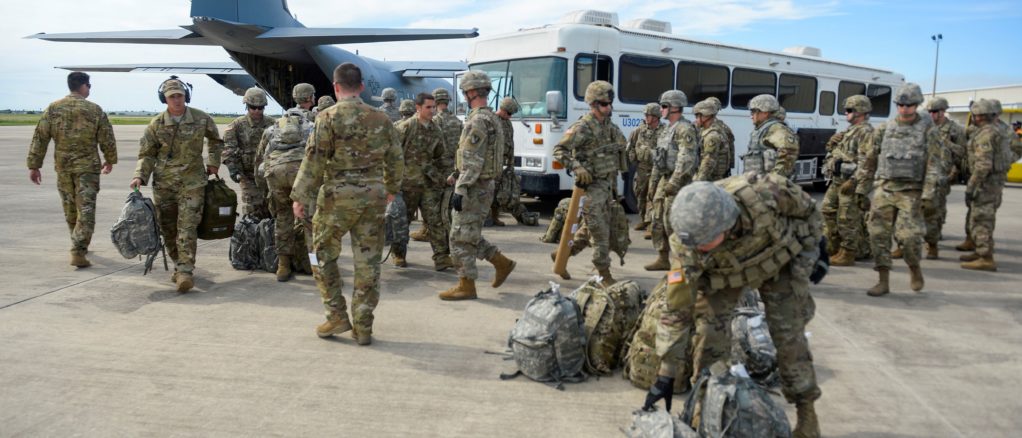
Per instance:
x=589, y=68
x=701, y=81
x=880, y=97
x=846, y=89
x=747, y=83
x=827, y=103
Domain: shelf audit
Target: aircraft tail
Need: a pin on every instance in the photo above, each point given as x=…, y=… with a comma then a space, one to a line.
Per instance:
x=268, y=13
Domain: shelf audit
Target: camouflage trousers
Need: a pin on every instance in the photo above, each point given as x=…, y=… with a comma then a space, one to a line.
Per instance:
x=661, y=223
x=640, y=185
x=179, y=214
x=596, y=214
x=935, y=216
x=279, y=180
x=78, y=193
x=467, y=241
x=900, y=214
x=843, y=222
x=253, y=196
x=553, y=229
x=357, y=209
x=984, y=214
x=428, y=201
x=508, y=195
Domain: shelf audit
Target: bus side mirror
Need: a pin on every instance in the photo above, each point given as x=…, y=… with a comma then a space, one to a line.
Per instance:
x=553, y=102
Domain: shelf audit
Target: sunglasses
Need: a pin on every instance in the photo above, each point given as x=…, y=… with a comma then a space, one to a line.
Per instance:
x=849, y=110
x=905, y=105
x=604, y=103
x=934, y=111
x=664, y=106
x=256, y=108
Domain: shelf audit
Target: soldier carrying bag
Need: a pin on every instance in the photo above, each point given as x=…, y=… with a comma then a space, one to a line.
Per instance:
x=220, y=208
x=136, y=232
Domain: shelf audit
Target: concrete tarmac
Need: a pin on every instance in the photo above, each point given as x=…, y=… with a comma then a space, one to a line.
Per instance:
x=106, y=351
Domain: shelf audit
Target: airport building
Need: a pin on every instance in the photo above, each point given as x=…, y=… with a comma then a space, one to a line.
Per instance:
x=1009, y=95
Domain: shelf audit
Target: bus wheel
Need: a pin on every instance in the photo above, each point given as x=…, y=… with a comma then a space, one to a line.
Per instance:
x=630, y=202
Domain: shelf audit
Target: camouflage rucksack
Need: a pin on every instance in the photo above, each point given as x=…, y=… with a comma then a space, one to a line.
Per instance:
x=267, y=249
x=732, y=405
x=136, y=232
x=639, y=357
x=548, y=342
x=658, y=424
x=609, y=314
x=396, y=222
x=244, y=248
x=751, y=344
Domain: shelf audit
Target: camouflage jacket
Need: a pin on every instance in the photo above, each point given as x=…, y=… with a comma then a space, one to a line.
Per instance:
x=352, y=144
x=781, y=138
x=241, y=140
x=933, y=171
x=280, y=157
x=172, y=152
x=718, y=123
x=597, y=146
x=423, y=149
x=450, y=126
x=509, y=143
x=640, y=147
x=953, y=152
x=479, y=149
x=851, y=147
x=391, y=111
x=686, y=136
x=715, y=160
x=984, y=145
x=76, y=127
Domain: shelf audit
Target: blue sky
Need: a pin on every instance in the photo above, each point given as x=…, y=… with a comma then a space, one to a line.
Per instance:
x=981, y=47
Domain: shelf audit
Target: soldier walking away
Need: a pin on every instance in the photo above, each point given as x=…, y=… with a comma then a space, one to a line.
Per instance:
x=723, y=232
x=508, y=189
x=639, y=152
x=676, y=161
x=903, y=167
x=76, y=126
x=352, y=168
x=952, y=155
x=406, y=109
x=323, y=103
x=773, y=146
x=240, y=142
x=716, y=143
x=305, y=99
x=389, y=96
x=594, y=148
x=171, y=153
x=844, y=210
x=477, y=164
x=991, y=146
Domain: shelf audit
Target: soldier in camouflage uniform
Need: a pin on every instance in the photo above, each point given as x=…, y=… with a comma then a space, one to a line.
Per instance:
x=719, y=124
x=450, y=128
x=594, y=149
x=240, y=142
x=423, y=148
x=952, y=154
x=76, y=127
x=676, y=161
x=171, y=153
x=508, y=189
x=389, y=96
x=843, y=210
x=773, y=147
x=639, y=151
x=715, y=161
x=477, y=164
x=406, y=109
x=323, y=103
x=991, y=148
x=902, y=158
x=353, y=166
x=757, y=231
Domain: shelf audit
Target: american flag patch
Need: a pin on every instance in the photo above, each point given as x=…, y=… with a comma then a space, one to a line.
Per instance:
x=675, y=277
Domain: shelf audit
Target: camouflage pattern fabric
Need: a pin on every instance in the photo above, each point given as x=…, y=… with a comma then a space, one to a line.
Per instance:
x=773, y=147
x=279, y=179
x=477, y=165
x=639, y=358
x=136, y=232
x=280, y=163
x=658, y=424
x=639, y=152
x=609, y=313
x=734, y=406
x=241, y=141
x=683, y=134
x=171, y=153
x=717, y=149
x=986, y=184
x=76, y=126
x=353, y=161
x=509, y=186
x=426, y=165
x=267, y=246
x=751, y=344
x=548, y=342
x=243, y=251
x=396, y=219
x=843, y=220
x=391, y=111
x=450, y=128
x=952, y=155
x=553, y=230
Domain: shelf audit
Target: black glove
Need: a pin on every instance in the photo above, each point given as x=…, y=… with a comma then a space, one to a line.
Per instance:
x=663, y=388
x=236, y=177
x=456, y=202
x=837, y=167
x=822, y=263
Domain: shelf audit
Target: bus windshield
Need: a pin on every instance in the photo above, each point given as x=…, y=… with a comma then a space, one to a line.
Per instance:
x=527, y=80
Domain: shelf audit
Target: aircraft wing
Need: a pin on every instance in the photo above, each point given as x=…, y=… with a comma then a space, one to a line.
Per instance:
x=161, y=36
x=317, y=36
x=427, y=69
x=205, y=68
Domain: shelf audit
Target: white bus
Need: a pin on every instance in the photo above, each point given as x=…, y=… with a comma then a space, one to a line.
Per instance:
x=547, y=69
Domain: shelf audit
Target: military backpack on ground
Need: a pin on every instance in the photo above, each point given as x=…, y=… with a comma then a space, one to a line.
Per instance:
x=640, y=360
x=136, y=232
x=244, y=252
x=658, y=424
x=267, y=248
x=609, y=314
x=548, y=342
x=220, y=209
x=733, y=406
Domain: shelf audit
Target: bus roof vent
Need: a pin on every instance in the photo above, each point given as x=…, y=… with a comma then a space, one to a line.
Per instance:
x=648, y=24
x=589, y=16
x=804, y=51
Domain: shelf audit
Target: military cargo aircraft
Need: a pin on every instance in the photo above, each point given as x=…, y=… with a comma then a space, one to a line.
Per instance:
x=274, y=50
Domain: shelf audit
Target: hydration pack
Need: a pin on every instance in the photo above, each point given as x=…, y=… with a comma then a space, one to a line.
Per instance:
x=136, y=232
x=548, y=343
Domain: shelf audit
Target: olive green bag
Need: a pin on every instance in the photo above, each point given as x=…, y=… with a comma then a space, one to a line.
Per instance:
x=220, y=208
x=609, y=314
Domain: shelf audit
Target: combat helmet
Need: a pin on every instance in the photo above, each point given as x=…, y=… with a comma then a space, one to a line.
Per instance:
x=388, y=94
x=983, y=107
x=509, y=105
x=303, y=92
x=859, y=104
x=701, y=212
x=474, y=80
x=706, y=108
x=325, y=102
x=254, y=97
x=601, y=91
x=651, y=109
x=937, y=104
x=441, y=95
x=674, y=98
x=997, y=106
x=407, y=107
x=909, y=94
x=766, y=103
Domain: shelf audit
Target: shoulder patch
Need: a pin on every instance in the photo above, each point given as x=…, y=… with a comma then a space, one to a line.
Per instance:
x=676, y=276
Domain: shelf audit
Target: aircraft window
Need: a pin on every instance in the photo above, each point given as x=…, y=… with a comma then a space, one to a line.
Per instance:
x=527, y=81
x=749, y=83
x=827, y=103
x=797, y=94
x=702, y=81
x=846, y=89
x=880, y=97
x=643, y=79
x=589, y=68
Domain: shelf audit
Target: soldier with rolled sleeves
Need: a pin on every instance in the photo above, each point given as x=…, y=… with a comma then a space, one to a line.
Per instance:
x=902, y=166
x=593, y=148
x=508, y=189
x=450, y=129
x=639, y=151
x=478, y=162
x=991, y=146
x=353, y=166
x=676, y=161
x=843, y=210
x=715, y=161
x=773, y=147
x=241, y=139
x=76, y=126
x=171, y=153
x=747, y=231
x=952, y=154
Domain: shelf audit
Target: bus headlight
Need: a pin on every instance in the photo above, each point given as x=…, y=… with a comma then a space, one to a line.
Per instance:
x=534, y=162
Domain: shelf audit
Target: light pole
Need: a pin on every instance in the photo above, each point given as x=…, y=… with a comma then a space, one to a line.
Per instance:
x=936, y=38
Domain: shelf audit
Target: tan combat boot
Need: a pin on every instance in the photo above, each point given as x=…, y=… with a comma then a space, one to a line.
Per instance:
x=443, y=263
x=660, y=264
x=916, y=282
x=503, y=265
x=495, y=217
x=283, y=268
x=642, y=225
x=932, y=253
x=78, y=260
x=399, y=261
x=843, y=257
x=465, y=290
x=184, y=281
x=648, y=235
x=897, y=253
x=968, y=257
x=883, y=286
x=420, y=235
x=361, y=338
x=806, y=425
x=608, y=280
x=333, y=326
x=967, y=245
x=982, y=263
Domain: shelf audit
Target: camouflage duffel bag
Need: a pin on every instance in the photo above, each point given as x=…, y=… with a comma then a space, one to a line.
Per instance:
x=548, y=341
x=640, y=360
x=609, y=315
x=732, y=405
x=244, y=248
